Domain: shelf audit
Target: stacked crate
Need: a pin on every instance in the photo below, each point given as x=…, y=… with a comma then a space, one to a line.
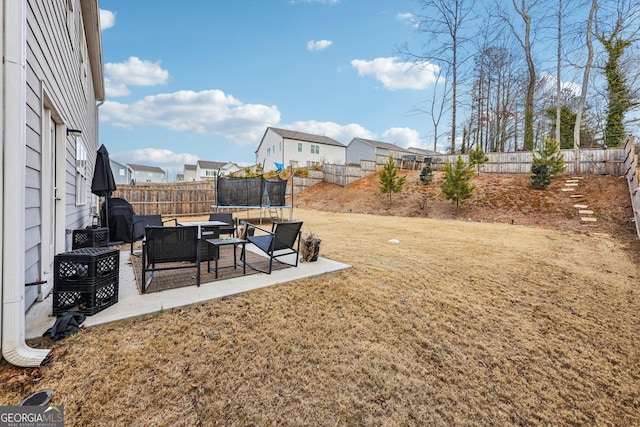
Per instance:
x=86, y=280
x=90, y=238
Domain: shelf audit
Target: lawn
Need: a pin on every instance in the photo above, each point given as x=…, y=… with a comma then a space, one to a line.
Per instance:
x=460, y=323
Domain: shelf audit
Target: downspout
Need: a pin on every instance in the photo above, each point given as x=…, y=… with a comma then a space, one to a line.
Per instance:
x=14, y=347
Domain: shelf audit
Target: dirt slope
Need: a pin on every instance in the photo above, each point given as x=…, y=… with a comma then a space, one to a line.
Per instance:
x=500, y=198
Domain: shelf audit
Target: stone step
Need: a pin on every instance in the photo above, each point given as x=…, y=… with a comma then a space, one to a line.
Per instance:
x=580, y=206
x=577, y=177
x=585, y=212
x=577, y=196
x=588, y=219
x=573, y=181
x=570, y=184
x=568, y=189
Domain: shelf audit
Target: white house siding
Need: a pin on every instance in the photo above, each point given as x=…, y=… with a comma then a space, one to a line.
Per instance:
x=270, y=150
x=56, y=79
x=326, y=153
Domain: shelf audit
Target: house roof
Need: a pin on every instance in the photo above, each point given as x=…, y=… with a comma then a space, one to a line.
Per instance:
x=143, y=168
x=190, y=167
x=380, y=144
x=422, y=151
x=301, y=136
x=210, y=165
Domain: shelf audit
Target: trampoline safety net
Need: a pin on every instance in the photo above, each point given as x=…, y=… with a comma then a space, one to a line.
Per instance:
x=251, y=191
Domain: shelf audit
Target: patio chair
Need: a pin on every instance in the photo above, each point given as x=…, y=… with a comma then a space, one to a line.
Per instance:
x=140, y=222
x=281, y=241
x=177, y=246
x=228, y=218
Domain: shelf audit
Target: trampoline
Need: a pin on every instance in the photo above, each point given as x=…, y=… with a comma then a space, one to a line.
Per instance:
x=252, y=193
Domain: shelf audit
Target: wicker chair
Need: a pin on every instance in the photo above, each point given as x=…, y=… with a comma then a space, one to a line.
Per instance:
x=179, y=247
x=277, y=243
x=141, y=221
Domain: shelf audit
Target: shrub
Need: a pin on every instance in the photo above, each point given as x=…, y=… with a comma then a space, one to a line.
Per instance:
x=541, y=177
x=426, y=175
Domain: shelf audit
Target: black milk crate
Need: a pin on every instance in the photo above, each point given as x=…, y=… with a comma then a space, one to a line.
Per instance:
x=86, y=266
x=88, y=299
x=90, y=238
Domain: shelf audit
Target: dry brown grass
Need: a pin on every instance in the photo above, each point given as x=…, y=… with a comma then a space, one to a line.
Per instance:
x=462, y=323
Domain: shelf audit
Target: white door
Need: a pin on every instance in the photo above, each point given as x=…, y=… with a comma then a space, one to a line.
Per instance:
x=49, y=195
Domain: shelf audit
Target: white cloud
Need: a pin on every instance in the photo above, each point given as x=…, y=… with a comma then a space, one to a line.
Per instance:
x=157, y=156
x=396, y=75
x=107, y=19
x=205, y=112
x=550, y=85
x=316, y=45
x=408, y=17
x=341, y=133
x=402, y=137
x=132, y=72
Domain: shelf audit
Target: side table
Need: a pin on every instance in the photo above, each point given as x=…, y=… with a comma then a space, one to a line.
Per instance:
x=217, y=244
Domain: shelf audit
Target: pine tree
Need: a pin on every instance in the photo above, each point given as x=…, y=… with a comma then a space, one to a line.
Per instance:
x=390, y=182
x=477, y=157
x=550, y=155
x=426, y=174
x=457, y=182
x=541, y=177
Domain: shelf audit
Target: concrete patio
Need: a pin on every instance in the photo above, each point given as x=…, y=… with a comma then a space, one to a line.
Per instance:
x=131, y=303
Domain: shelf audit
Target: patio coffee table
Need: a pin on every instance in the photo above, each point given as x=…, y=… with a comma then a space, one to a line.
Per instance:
x=217, y=243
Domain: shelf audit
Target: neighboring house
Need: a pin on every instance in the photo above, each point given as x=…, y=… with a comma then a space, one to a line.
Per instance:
x=208, y=171
x=281, y=148
x=52, y=85
x=190, y=173
x=367, y=149
x=143, y=174
x=179, y=177
x=121, y=173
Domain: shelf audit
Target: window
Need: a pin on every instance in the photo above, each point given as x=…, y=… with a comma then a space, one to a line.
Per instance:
x=82, y=182
x=71, y=23
x=268, y=151
x=210, y=173
x=300, y=147
x=315, y=149
x=280, y=146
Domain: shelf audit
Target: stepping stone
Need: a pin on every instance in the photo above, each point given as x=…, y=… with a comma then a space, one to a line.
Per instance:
x=573, y=180
x=585, y=212
x=580, y=206
x=569, y=184
x=587, y=219
x=568, y=189
x=576, y=195
x=577, y=177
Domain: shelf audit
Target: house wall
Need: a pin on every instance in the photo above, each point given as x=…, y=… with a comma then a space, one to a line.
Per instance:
x=270, y=150
x=300, y=152
x=121, y=174
x=142, y=177
x=358, y=150
x=56, y=78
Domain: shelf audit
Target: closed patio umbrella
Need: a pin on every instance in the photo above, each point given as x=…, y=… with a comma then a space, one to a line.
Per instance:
x=103, y=184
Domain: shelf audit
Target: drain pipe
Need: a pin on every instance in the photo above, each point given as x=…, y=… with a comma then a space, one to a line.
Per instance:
x=14, y=347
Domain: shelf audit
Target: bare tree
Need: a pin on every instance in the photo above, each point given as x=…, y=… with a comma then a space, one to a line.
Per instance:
x=438, y=105
x=585, y=79
x=443, y=21
x=559, y=74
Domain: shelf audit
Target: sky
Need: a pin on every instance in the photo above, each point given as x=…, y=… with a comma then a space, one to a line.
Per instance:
x=203, y=79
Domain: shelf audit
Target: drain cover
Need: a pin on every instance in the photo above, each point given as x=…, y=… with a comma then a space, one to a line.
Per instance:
x=40, y=398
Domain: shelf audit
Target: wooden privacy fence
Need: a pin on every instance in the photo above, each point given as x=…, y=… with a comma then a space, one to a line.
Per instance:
x=631, y=173
x=180, y=198
x=590, y=161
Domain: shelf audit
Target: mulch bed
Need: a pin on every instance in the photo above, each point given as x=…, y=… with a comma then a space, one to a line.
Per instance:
x=170, y=279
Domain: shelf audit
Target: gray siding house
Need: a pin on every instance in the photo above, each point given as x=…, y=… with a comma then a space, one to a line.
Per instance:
x=367, y=149
x=121, y=173
x=208, y=171
x=142, y=174
x=52, y=84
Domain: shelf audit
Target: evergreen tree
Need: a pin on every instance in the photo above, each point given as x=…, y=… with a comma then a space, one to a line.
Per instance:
x=477, y=157
x=541, y=177
x=390, y=182
x=550, y=155
x=457, y=182
x=426, y=174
